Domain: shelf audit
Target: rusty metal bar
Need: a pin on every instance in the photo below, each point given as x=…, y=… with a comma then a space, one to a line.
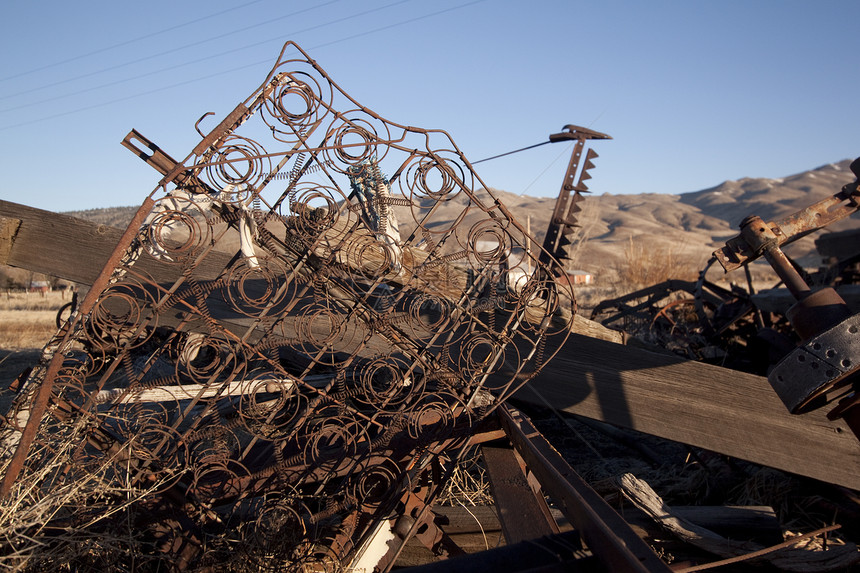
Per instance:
x=761, y=239
x=522, y=514
x=607, y=535
x=738, y=251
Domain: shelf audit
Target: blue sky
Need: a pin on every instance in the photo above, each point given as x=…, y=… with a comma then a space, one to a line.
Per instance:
x=693, y=93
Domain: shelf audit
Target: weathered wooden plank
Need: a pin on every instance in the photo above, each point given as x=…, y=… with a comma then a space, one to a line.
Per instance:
x=547, y=555
x=76, y=250
x=741, y=523
x=58, y=245
x=836, y=558
x=723, y=410
x=594, y=329
x=472, y=519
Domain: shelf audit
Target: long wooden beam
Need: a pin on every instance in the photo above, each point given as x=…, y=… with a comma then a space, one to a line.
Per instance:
x=727, y=411
x=73, y=249
x=58, y=245
x=707, y=406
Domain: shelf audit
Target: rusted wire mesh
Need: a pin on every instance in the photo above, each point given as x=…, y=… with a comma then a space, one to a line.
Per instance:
x=293, y=344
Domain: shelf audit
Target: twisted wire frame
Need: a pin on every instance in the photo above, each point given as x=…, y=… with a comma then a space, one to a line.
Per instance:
x=292, y=348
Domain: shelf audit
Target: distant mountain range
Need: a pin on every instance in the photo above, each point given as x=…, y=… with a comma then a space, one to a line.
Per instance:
x=687, y=227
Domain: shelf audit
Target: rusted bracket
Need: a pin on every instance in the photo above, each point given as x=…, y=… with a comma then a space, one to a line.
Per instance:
x=740, y=250
x=159, y=160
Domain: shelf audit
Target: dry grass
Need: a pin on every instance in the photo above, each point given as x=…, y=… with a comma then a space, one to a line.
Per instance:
x=28, y=320
x=13, y=300
x=469, y=484
x=589, y=296
x=26, y=328
x=647, y=263
x=90, y=504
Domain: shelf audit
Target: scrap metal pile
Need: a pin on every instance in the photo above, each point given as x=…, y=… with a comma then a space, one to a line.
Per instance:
x=702, y=320
x=318, y=313
x=272, y=366
x=803, y=338
x=738, y=327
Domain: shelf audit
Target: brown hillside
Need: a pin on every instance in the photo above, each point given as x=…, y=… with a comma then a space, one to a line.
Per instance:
x=688, y=226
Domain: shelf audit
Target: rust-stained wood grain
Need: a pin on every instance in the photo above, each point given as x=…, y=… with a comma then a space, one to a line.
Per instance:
x=8, y=231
